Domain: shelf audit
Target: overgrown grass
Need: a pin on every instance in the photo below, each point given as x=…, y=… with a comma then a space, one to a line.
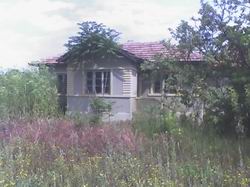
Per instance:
x=58, y=153
x=158, y=149
x=155, y=121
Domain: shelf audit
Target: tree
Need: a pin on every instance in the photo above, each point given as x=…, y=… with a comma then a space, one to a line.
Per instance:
x=93, y=41
x=28, y=93
x=221, y=34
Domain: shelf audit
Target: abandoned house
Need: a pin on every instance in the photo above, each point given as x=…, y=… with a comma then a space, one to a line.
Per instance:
x=116, y=80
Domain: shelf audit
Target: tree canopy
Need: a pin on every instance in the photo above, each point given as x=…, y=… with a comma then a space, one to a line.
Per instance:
x=221, y=34
x=93, y=41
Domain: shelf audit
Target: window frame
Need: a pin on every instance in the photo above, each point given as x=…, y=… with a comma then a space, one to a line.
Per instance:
x=162, y=88
x=153, y=85
x=93, y=80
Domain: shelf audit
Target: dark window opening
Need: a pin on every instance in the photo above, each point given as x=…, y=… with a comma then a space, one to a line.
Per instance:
x=62, y=84
x=157, y=86
x=98, y=82
x=90, y=82
x=106, y=82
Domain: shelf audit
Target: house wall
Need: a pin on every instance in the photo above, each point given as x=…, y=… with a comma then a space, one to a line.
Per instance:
x=118, y=78
x=172, y=103
x=121, y=107
x=127, y=96
x=147, y=100
x=123, y=87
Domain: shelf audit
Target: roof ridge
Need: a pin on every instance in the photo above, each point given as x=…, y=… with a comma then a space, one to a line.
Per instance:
x=136, y=42
x=145, y=51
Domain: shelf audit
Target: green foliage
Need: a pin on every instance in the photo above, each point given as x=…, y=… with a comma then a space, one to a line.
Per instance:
x=80, y=119
x=222, y=110
x=221, y=35
x=28, y=93
x=99, y=107
x=99, y=110
x=92, y=42
x=155, y=121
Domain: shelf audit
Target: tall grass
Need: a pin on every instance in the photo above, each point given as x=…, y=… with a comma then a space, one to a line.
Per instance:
x=191, y=155
x=58, y=153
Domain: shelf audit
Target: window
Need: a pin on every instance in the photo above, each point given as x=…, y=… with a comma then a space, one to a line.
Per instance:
x=98, y=82
x=62, y=83
x=160, y=85
x=157, y=86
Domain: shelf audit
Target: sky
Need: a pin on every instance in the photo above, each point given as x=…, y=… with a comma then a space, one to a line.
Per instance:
x=32, y=30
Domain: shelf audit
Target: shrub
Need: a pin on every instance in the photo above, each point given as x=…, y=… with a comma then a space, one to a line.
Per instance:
x=80, y=119
x=99, y=107
x=227, y=110
x=155, y=121
x=28, y=93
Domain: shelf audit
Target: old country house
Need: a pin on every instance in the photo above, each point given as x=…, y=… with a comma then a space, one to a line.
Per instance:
x=116, y=80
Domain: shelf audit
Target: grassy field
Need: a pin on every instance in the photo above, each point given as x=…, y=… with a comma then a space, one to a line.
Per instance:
x=56, y=152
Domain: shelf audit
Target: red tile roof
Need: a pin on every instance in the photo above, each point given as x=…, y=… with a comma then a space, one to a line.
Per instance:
x=52, y=60
x=145, y=51
x=47, y=61
x=149, y=50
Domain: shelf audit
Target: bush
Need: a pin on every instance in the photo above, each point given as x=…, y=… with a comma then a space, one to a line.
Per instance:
x=227, y=110
x=80, y=119
x=28, y=93
x=99, y=107
x=155, y=121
